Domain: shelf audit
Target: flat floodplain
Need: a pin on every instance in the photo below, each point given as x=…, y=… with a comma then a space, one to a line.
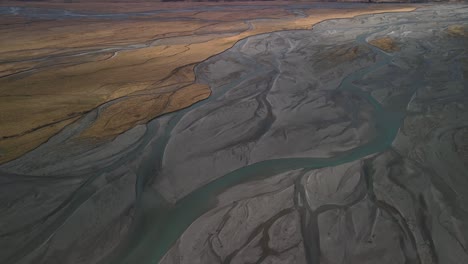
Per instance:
x=233, y=133
x=134, y=62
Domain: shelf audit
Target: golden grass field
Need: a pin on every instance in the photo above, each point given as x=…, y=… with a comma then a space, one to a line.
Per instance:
x=53, y=72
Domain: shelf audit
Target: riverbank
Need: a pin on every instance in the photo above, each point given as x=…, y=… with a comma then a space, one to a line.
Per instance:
x=60, y=65
x=344, y=138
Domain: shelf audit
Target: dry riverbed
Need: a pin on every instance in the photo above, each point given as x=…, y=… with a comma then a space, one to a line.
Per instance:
x=208, y=134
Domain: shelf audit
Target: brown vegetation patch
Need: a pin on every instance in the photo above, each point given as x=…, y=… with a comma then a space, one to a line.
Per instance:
x=386, y=44
x=54, y=71
x=458, y=30
x=140, y=109
x=16, y=146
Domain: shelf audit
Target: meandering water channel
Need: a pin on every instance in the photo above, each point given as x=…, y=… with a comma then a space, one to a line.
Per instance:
x=159, y=226
x=157, y=221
